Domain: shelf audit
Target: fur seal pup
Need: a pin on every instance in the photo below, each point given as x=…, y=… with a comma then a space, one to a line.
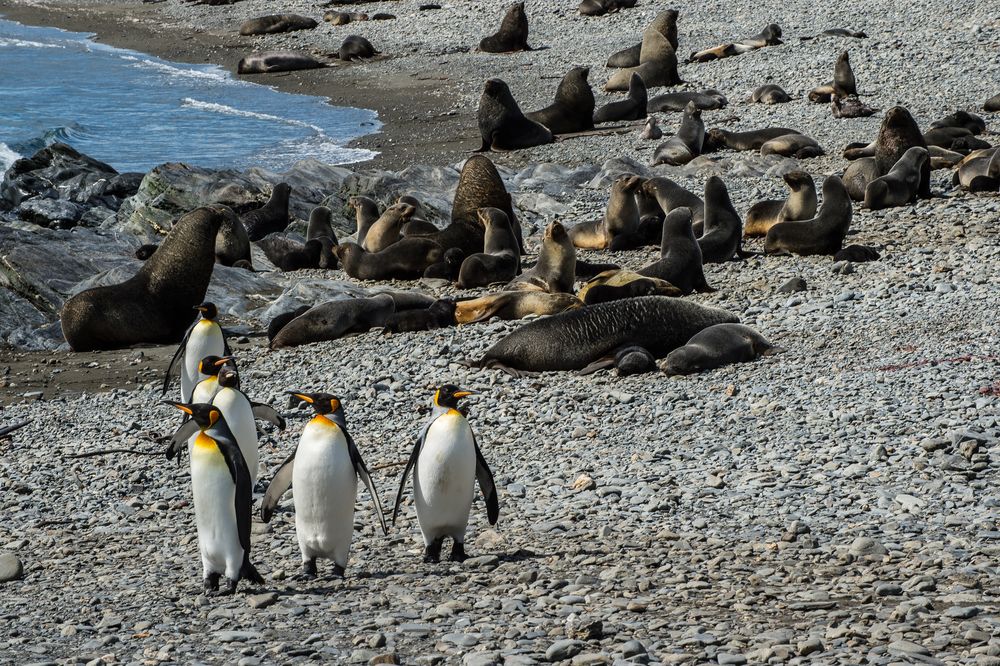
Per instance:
x=501, y=123
x=706, y=100
x=651, y=130
x=769, y=36
x=335, y=319
x=897, y=134
x=406, y=259
x=356, y=47
x=680, y=261
x=617, y=284
x=321, y=224
x=448, y=267
x=686, y=144
x=723, y=228
x=769, y=93
x=291, y=255
x=800, y=205
x=792, y=145
x=631, y=108
x=718, y=138
x=979, y=171
x=657, y=64
x=627, y=360
x=992, y=104
x=157, y=304
x=386, y=229
x=268, y=62
x=555, y=270
x=843, y=83
x=573, y=108
x=899, y=186
x=857, y=254
x=271, y=217
x=440, y=314
x=850, y=106
x=837, y=32
x=365, y=214
x=479, y=186
x=509, y=305
x=716, y=346
x=944, y=137
x=232, y=244
x=500, y=259
x=512, y=35
x=620, y=218
x=823, y=234
x=275, y=23
x=573, y=340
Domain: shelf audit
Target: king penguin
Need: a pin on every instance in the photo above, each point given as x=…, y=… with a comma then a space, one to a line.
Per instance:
x=220, y=483
x=446, y=463
x=203, y=338
x=203, y=393
x=324, y=470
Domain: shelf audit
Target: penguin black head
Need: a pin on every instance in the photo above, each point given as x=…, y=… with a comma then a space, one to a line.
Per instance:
x=208, y=310
x=449, y=395
x=323, y=403
x=203, y=414
x=228, y=375
x=211, y=365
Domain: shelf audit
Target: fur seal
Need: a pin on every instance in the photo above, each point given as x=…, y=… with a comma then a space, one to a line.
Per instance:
x=631, y=108
x=823, y=234
x=343, y=18
x=706, y=100
x=321, y=224
x=686, y=144
x=657, y=64
x=857, y=254
x=500, y=260
x=680, y=261
x=144, y=252
x=512, y=35
x=232, y=244
x=843, y=83
x=716, y=346
x=769, y=36
x=627, y=360
x=620, y=218
x=651, y=130
x=448, y=267
x=510, y=305
x=617, y=284
x=157, y=304
x=800, y=205
x=404, y=260
x=365, y=214
x=626, y=57
x=572, y=340
x=992, y=104
x=386, y=229
x=573, y=108
x=723, y=227
x=899, y=186
x=275, y=23
x=479, y=186
x=271, y=217
x=602, y=7
x=291, y=255
x=335, y=319
x=440, y=314
x=356, y=47
x=268, y=62
x=849, y=106
x=897, y=134
x=555, y=270
x=665, y=23
x=279, y=321
x=792, y=145
x=979, y=171
x=944, y=137
x=718, y=138
x=769, y=93
x=501, y=123
x=669, y=195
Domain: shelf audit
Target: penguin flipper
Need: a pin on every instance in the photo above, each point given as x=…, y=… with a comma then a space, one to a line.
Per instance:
x=172, y=368
x=244, y=491
x=362, y=471
x=186, y=431
x=267, y=413
x=409, y=465
x=487, y=485
x=281, y=482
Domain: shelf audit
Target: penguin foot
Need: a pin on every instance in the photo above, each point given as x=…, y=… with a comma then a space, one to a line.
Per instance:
x=432, y=553
x=308, y=570
x=338, y=571
x=228, y=588
x=458, y=552
x=211, y=584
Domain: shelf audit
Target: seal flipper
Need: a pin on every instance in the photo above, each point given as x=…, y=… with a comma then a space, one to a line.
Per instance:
x=487, y=485
x=362, y=471
x=267, y=413
x=281, y=482
x=600, y=364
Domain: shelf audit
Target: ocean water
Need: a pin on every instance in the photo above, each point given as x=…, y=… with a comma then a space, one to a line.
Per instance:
x=135, y=111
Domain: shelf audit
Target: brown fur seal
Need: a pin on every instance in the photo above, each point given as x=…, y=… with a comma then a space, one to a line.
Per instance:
x=555, y=270
x=386, y=229
x=626, y=57
x=850, y=106
x=621, y=217
x=157, y=304
x=448, y=267
x=669, y=195
x=979, y=171
x=479, y=186
x=706, y=100
x=843, y=83
x=769, y=36
x=281, y=320
x=723, y=228
x=356, y=47
x=501, y=123
x=275, y=23
x=657, y=64
x=857, y=254
x=343, y=18
x=769, y=93
x=291, y=255
x=631, y=108
x=572, y=340
x=268, y=62
x=686, y=144
x=823, y=234
x=665, y=23
x=898, y=133
x=232, y=243
x=680, y=261
x=335, y=319
x=440, y=314
x=321, y=224
x=792, y=145
x=800, y=205
x=365, y=214
x=717, y=138
x=514, y=305
x=617, y=284
x=898, y=187
x=992, y=104
x=404, y=260
x=602, y=7
x=716, y=346
x=573, y=108
x=500, y=259
x=271, y=217
x=512, y=35
x=651, y=130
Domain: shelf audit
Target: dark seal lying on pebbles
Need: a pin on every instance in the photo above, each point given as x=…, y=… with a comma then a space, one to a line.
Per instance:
x=706, y=100
x=512, y=35
x=502, y=126
x=717, y=138
x=268, y=62
x=716, y=346
x=573, y=108
x=769, y=93
x=275, y=23
x=514, y=305
x=404, y=260
x=334, y=319
x=356, y=47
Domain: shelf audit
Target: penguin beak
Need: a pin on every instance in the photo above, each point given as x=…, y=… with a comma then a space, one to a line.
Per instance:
x=201, y=308
x=179, y=405
x=463, y=393
x=304, y=397
x=223, y=360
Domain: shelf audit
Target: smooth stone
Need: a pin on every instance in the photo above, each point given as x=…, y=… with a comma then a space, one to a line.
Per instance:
x=11, y=567
x=564, y=649
x=908, y=648
x=792, y=286
x=867, y=546
x=262, y=600
x=729, y=658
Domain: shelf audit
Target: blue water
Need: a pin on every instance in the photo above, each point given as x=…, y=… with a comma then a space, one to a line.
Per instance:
x=135, y=111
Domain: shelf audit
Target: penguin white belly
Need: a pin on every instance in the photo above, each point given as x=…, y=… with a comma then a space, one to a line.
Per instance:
x=215, y=510
x=444, y=478
x=238, y=413
x=324, y=489
x=205, y=340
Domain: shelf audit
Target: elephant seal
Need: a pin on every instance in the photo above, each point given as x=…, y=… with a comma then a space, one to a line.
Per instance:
x=992, y=104
x=268, y=62
x=404, y=260
x=686, y=144
x=620, y=218
x=657, y=64
x=572, y=340
x=617, y=284
x=501, y=123
x=356, y=47
x=510, y=305
x=271, y=217
x=386, y=229
x=321, y=224
x=440, y=314
x=800, y=205
x=157, y=304
x=823, y=234
x=769, y=36
x=898, y=187
x=979, y=171
x=500, y=259
x=843, y=84
x=555, y=270
x=723, y=227
x=275, y=23
x=718, y=138
x=448, y=267
x=792, y=145
x=291, y=255
x=479, y=186
x=232, y=244
x=897, y=134
x=669, y=195
x=706, y=100
x=716, y=346
x=335, y=319
x=365, y=214
x=512, y=35
x=680, y=261
x=573, y=108
x=631, y=108
x=769, y=93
